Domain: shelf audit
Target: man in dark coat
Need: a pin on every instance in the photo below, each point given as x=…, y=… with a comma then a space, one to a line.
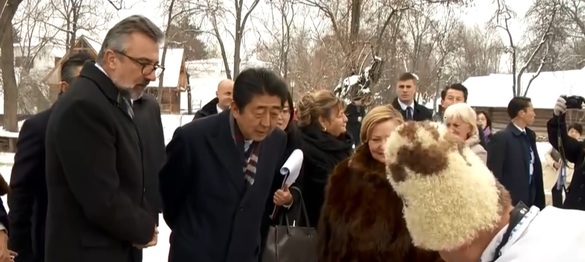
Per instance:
x=98, y=209
x=574, y=152
x=219, y=172
x=405, y=102
x=513, y=155
x=148, y=122
x=221, y=102
x=28, y=196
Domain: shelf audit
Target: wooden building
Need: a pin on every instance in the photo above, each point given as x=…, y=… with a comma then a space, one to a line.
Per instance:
x=174, y=78
x=83, y=44
x=174, y=81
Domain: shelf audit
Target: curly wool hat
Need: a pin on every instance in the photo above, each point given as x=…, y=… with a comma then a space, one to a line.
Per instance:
x=449, y=194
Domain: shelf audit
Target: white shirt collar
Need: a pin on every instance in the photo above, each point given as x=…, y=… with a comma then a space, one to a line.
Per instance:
x=490, y=252
x=523, y=130
x=101, y=69
x=403, y=106
x=219, y=110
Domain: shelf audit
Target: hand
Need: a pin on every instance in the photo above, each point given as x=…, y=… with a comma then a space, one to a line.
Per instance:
x=560, y=106
x=556, y=165
x=152, y=242
x=282, y=197
x=5, y=254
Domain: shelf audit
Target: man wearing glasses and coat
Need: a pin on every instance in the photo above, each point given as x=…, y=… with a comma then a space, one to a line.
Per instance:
x=100, y=204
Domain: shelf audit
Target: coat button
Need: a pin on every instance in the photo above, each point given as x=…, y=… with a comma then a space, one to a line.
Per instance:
x=241, y=209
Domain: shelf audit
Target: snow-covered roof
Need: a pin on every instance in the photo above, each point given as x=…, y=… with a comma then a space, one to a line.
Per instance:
x=214, y=66
x=495, y=90
x=173, y=62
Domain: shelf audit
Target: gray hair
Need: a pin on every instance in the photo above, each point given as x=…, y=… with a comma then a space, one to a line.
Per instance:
x=116, y=37
x=464, y=112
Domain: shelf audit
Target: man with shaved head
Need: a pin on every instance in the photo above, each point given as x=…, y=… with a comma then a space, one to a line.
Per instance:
x=220, y=103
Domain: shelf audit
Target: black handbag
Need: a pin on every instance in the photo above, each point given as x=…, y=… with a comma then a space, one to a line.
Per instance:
x=288, y=242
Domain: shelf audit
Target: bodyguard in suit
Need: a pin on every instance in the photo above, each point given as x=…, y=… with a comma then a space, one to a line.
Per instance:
x=96, y=182
x=219, y=172
x=28, y=196
x=221, y=102
x=513, y=156
x=405, y=103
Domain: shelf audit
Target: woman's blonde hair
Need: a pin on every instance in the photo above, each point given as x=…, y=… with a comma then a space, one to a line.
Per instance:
x=317, y=104
x=464, y=112
x=376, y=116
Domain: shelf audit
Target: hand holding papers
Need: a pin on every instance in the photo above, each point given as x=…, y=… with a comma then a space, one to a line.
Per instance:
x=292, y=168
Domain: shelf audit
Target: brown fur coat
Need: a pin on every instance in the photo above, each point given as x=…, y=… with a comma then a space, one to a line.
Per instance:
x=362, y=217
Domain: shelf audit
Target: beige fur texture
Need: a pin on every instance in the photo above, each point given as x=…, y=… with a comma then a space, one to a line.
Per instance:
x=449, y=194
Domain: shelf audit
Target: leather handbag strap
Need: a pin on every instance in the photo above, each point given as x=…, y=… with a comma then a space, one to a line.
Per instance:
x=301, y=202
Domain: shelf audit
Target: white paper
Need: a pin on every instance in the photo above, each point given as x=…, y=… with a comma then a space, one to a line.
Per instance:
x=292, y=168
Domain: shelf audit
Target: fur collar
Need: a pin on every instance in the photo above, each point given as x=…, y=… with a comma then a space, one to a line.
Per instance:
x=361, y=218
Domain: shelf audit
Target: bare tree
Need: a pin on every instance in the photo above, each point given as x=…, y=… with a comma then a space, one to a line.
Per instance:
x=9, y=80
x=174, y=10
x=479, y=52
x=72, y=17
x=36, y=44
x=218, y=15
x=279, y=27
x=7, y=11
x=502, y=19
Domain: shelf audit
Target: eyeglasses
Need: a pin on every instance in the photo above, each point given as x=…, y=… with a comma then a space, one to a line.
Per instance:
x=147, y=68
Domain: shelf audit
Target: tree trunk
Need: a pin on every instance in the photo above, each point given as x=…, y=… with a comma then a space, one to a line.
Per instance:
x=9, y=81
x=354, y=30
x=8, y=9
x=164, y=54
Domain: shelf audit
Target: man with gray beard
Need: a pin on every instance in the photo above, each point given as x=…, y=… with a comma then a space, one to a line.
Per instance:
x=98, y=209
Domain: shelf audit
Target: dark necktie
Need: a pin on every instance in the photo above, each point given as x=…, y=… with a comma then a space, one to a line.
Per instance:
x=126, y=106
x=409, y=115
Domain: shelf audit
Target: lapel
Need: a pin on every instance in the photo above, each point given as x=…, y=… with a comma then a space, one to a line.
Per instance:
x=396, y=105
x=518, y=135
x=224, y=147
x=105, y=84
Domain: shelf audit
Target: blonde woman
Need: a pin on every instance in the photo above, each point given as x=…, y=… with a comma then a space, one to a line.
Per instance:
x=325, y=142
x=362, y=215
x=461, y=120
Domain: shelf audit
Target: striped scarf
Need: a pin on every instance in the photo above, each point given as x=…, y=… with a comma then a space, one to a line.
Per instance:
x=249, y=156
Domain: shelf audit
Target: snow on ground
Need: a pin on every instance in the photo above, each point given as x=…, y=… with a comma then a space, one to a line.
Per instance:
x=170, y=123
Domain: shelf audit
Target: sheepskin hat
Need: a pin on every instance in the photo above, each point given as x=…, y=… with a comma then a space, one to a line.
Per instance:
x=449, y=194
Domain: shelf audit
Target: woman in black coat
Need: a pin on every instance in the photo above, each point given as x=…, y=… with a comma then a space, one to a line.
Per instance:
x=325, y=143
x=283, y=199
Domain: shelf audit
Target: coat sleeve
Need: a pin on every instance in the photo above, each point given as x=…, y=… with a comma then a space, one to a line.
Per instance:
x=175, y=177
x=331, y=237
x=27, y=171
x=86, y=147
x=496, y=154
x=572, y=148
